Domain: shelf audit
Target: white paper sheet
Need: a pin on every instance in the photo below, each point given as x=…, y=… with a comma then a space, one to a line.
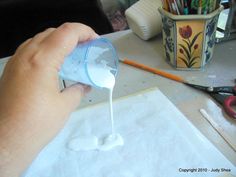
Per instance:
x=159, y=142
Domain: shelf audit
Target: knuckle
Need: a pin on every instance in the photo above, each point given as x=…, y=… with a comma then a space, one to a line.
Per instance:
x=71, y=26
x=50, y=29
x=85, y=27
x=37, y=35
x=36, y=61
x=67, y=26
x=21, y=46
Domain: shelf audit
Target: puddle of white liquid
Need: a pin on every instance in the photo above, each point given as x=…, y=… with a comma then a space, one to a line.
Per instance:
x=102, y=77
x=111, y=141
x=87, y=143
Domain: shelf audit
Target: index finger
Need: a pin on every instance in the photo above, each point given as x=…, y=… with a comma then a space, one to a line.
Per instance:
x=62, y=41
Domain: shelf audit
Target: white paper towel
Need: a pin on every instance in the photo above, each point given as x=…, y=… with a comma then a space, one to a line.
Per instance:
x=159, y=142
x=144, y=18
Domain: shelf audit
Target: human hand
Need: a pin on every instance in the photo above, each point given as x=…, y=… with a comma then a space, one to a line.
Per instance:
x=32, y=107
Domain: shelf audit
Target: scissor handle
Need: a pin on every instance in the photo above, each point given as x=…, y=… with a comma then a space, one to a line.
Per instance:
x=228, y=103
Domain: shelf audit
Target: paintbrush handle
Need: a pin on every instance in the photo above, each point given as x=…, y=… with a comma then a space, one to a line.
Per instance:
x=153, y=70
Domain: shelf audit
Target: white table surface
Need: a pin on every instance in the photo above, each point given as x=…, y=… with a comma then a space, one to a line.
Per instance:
x=220, y=71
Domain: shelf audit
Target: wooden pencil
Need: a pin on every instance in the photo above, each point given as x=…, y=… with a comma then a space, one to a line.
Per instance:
x=153, y=70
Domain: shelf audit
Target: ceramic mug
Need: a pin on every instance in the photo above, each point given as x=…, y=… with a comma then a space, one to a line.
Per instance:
x=189, y=40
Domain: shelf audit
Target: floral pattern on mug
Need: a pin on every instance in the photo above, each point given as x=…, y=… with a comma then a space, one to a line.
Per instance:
x=189, y=42
x=189, y=46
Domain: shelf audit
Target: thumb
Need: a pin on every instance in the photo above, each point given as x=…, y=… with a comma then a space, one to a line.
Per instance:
x=73, y=94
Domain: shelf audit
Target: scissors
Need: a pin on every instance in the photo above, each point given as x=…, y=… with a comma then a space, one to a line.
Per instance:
x=225, y=95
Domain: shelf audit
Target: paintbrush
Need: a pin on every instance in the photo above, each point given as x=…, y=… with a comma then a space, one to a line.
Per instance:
x=153, y=70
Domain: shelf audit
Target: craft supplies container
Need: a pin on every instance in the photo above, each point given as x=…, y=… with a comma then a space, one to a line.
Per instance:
x=88, y=60
x=189, y=40
x=144, y=19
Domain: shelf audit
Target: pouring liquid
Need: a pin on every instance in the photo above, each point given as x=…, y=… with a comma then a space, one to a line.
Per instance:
x=102, y=77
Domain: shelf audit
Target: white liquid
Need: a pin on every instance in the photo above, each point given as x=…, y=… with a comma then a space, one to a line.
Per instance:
x=111, y=111
x=87, y=143
x=111, y=141
x=102, y=77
